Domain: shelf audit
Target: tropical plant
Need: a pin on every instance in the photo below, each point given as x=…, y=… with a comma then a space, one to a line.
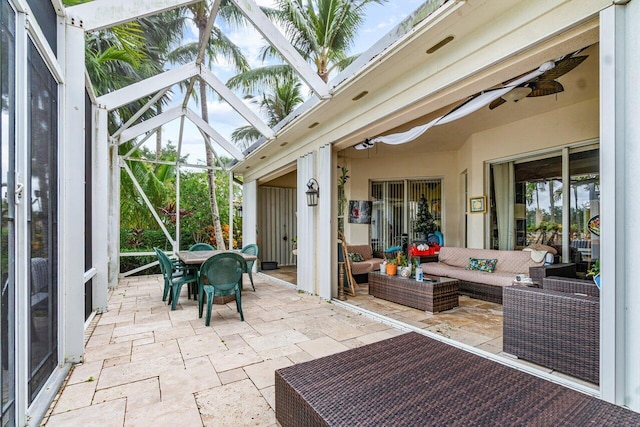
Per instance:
x=216, y=45
x=322, y=31
x=342, y=199
x=595, y=269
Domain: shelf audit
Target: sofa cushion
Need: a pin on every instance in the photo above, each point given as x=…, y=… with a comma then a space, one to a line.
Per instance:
x=480, y=264
x=355, y=257
x=497, y=278
x=366, y=266
x=364, y=250
x=514, y=262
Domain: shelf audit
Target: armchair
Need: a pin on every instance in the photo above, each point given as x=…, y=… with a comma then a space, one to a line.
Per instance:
x=557, y=326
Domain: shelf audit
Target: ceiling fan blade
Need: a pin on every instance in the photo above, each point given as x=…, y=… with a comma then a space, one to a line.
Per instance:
x=563, y=67
x=545, y=87
x=496, y=103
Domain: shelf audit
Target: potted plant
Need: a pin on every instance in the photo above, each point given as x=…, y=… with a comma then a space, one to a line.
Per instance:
x=424, y=223
x=392, y=267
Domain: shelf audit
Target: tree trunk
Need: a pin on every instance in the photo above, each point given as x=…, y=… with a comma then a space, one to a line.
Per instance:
x=159, y=136
x=211, y=173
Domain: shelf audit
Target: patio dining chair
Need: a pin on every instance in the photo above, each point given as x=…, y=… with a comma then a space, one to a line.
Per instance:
x=220, y=275
x=193, y=269
x=201, y=247
x=174, y=278
x=251, y=249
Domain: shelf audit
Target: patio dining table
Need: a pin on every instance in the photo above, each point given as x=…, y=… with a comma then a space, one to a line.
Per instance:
x=197, y=258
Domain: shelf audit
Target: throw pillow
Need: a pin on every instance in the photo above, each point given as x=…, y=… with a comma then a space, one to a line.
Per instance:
x=355, y=257
x=480, y=264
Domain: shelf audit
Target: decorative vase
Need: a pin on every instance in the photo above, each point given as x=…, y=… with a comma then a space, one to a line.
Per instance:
x=392, y=269
x=596, y=280
x=405, y=272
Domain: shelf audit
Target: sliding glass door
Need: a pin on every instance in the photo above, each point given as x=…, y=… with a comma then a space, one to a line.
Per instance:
x=395, y=205
x=528, y=201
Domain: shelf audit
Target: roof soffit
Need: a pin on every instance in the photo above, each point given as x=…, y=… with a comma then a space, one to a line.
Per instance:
x=497, y=44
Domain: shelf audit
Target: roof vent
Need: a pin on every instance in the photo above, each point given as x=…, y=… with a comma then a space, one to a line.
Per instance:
x=440, y=44
x=360, y=95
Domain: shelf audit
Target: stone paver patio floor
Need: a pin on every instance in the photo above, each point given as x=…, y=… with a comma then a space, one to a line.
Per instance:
x=146, y=365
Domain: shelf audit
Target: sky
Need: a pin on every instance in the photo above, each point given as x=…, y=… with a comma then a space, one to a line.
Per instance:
x=379, y=20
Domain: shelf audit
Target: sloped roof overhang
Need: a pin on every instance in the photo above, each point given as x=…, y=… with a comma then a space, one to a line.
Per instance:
x=494, y=41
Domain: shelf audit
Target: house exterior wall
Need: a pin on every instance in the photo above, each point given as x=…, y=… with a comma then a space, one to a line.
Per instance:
x=437, y=164
x=556, y=128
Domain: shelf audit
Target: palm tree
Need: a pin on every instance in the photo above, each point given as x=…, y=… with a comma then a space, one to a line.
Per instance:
x=277, y=105
x=217, y=44
x=322, y=31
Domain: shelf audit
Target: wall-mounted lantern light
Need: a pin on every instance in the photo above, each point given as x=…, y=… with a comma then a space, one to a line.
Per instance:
x=313, y=192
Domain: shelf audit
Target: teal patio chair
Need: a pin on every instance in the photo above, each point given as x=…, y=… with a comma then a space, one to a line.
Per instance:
x=173, y=279
x=193, y=269
x=251, y=249
x=220, y=275
x=201, y=247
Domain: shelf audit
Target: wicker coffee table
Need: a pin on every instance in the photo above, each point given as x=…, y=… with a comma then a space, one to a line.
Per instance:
x=434, y=294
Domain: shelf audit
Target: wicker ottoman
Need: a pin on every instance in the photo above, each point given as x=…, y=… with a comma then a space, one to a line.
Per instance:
x=413, y=380
x=434, y=294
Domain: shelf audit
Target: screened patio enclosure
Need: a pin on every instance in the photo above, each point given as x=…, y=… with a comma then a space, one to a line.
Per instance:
x=62, y=163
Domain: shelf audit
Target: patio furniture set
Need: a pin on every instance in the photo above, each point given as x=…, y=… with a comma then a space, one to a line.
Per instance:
x=553, y=322
x=214, y=275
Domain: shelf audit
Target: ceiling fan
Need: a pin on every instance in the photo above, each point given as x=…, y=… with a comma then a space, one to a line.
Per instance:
x=544, y=84
x=538, y=82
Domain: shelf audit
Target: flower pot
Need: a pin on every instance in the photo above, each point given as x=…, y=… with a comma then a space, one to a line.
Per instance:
x=405, y=272
x=392, y=269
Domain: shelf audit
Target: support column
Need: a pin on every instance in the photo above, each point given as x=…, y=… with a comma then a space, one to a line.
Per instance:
x=100, y=208
x=327, y=228
x=113, y=204
x=71, y=199
x=307, y=237
x=620, y=226
x=250, y=215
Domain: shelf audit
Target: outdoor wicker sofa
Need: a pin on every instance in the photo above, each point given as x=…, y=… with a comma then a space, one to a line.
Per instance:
x=415, y=380
x=453, y=263
x=557, y=326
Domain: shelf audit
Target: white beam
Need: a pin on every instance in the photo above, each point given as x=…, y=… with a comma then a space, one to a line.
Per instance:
x=150, y=124
x=282, y=45
x=307, y=231
x=100, y=14
x=325, y=246
x=148, y=86
x=71, y=198
x=619, y=174
x=140, y=112
x=100, y=209
x=237, y=104
x=219, y=139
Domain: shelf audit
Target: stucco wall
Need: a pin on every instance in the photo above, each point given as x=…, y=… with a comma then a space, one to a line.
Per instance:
x=441, y=165
x=556, y=128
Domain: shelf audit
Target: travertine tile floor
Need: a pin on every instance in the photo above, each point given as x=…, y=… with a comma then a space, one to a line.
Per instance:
x=146, y=365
